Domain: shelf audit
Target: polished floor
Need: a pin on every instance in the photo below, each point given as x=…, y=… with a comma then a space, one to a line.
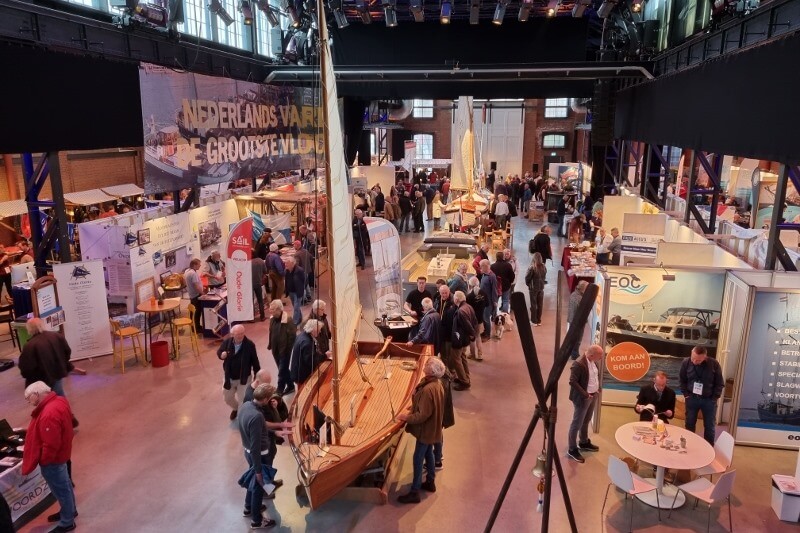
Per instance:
x=157, y=453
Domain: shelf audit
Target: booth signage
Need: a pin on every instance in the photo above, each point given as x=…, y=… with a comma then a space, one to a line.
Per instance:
x=769, y=407
x=628, y=361
x=385, y=243
x=238, y=271
x=22, y=492
x=82, y=293
x=200, y=130
x=637, y=244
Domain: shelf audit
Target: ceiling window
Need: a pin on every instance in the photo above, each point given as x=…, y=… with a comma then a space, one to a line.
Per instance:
x=196, y=19
x=232, y=35
x=424, y=145
x=423, y=109
x=556, y=107
x=263, y=34
x=554, y=140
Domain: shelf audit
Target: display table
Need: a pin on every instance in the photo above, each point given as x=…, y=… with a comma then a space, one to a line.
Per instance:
x=167, y=306
x=697, y=454
x=397, y=328
x=578, y=266
x=27, y=496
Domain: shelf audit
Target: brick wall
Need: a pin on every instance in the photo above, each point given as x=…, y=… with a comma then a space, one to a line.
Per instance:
x=536, y=126
x=81, y=171
x=440, y=126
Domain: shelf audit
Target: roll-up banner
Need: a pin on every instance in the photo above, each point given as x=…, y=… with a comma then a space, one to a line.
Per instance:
x=385, y=245
x=200, y=130
x=239, y=273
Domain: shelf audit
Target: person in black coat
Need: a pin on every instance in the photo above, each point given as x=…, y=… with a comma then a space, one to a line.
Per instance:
x=541, y=243
x=584, y=383
x=661, y=397
x=360, y=237
x=306, y=356
x=239, y=365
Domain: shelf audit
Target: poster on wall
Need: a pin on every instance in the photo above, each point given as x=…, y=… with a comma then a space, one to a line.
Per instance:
x=385, y=243
x=769, y=403
x=82, y=292
x=200, y=130
x=665, y=318
x=238, y=270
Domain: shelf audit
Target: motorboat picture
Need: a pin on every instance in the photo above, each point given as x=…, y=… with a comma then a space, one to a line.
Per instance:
x=677, y=331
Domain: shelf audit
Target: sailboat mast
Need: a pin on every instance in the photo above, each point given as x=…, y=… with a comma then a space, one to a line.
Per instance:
x=324, y=59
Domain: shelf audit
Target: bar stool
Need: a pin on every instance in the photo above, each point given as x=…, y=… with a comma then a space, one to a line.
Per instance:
x=182, y=322
x=120, y=333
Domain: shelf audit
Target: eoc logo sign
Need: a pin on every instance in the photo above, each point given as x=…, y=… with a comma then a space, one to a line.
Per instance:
x=634, y=287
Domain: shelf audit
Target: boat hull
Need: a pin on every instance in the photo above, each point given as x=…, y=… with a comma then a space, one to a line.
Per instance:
x=658, y=345
x=361, y=445
x=768, y=414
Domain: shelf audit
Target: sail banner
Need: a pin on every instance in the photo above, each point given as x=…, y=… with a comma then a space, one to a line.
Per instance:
x=666, y=318
x=342, y=252
x=769, y=407
x=238, y=272
x=385, y=243
x=201, y=130
x=463, y=154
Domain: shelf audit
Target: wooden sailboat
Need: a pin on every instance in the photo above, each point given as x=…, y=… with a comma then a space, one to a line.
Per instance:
x=374, y=380
x=463, y=209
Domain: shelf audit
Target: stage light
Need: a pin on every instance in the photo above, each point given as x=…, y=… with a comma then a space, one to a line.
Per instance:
x=446, y=13
x=363, y=11
x=247, y=12
x=474, y=12
x=417, y=10
x=216, y=7
x=272, y=18
x=605, y=9
x=391, y=17
x=524, y=10
x=636, y=7
x=341, y=19
x=580, y=8
x=551, y=12
x=500, y=12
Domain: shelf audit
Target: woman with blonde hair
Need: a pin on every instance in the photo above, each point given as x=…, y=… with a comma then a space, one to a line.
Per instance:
x=438, y=209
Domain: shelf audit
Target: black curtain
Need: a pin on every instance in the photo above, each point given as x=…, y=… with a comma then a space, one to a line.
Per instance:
x=353, y=116
x=745, y=104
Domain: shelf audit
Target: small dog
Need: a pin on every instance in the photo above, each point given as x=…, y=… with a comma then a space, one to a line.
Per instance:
x=502, y=323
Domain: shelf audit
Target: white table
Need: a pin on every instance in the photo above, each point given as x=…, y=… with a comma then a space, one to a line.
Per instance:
x=699, y=454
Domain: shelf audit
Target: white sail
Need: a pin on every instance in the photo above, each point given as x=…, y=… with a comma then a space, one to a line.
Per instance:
x=346, y=304
x=385, y=244
x=463, y=152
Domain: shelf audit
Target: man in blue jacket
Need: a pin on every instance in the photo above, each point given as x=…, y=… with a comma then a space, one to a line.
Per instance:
x=306, y=356
x=295, y=288
x=239, y=365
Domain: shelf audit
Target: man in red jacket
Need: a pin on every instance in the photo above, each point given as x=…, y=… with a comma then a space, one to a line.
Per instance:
x=48, y=444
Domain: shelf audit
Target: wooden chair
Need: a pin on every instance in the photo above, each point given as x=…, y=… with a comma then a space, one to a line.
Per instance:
x=120, y=333
x=7, y=317
x=709, y=493
x=631, y=484
x=498, y=240
x=183, y=322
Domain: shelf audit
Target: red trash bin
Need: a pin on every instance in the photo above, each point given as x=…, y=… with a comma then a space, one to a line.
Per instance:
x=159, y=351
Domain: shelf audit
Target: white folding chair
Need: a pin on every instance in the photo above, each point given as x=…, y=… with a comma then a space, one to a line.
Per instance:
x=709, y=493
x=723, y=456
x=628, y=482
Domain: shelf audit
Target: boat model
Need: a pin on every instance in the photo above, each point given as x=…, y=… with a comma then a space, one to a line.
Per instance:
x=345, y=415
x=678, y=330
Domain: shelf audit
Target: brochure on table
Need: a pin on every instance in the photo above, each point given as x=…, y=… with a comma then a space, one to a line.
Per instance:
x=81, y=287
x=651, y=324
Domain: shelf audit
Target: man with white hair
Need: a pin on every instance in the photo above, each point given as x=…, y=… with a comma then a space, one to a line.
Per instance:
x=239, y=365
x=282, y=334
x=464, y=330
x=48, y=445
x=489, y=289
x=318, y=312
x=45, y=357
x=306, y=356
x=425, y=423
x=428, y=332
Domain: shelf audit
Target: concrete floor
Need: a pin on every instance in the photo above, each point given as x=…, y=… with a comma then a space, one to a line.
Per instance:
x=157, y=453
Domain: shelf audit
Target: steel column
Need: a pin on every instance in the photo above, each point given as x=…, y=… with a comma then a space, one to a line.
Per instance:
x=775, y=248
x=64, y=253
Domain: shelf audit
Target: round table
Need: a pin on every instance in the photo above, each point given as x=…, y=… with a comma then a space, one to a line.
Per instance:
x=169, y=304
x=698, y=454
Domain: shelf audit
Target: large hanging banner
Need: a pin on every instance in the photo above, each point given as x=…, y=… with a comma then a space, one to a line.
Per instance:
x=201, y=130
x=385, y=243
x=769, y=406
x=239, y=273
x=660, y=322
x=82, y=291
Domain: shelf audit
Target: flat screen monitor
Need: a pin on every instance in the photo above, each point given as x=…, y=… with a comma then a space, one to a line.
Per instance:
x=19, y=272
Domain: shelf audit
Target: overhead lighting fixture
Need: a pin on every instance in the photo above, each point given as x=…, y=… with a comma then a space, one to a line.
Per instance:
x=417, y=10
x=474, y=12
x=391, y=17
x=605, y=9
x=446, y=12
x=341, y=19
x=294, y=18
x=636, y=7
x=551, y=12
x=246, y=9
x=524, y=10
x=216, y=7
x=500, y=12
x=363, y=11
x=580, y=8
